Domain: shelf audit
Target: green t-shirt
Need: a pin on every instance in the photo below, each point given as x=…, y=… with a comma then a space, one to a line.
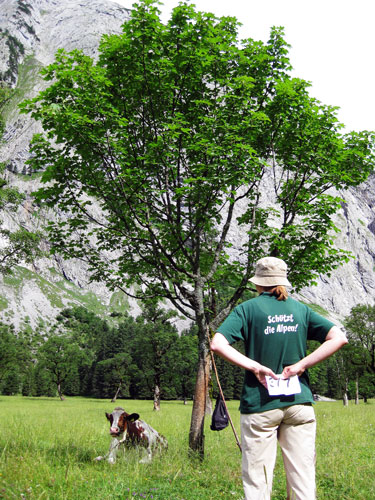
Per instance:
x=275, y=334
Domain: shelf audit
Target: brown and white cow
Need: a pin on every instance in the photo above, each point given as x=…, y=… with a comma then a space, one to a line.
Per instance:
x=128, y=430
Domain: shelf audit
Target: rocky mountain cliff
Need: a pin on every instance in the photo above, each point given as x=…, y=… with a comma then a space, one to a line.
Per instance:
x=31, y=31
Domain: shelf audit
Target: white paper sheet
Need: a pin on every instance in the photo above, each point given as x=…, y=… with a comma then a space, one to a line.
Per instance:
x=283, y=387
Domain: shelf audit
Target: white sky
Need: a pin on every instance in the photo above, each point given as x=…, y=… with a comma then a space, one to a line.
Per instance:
x=333, y=44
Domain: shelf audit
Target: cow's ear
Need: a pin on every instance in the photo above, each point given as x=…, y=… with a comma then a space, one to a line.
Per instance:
x=132, y=417
x=108, y=416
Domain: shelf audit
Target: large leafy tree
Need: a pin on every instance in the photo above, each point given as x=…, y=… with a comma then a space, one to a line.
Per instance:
x=356, y=362
x=151, y=348
x=176, y=137
x=100, y=370
x=61, y=359
x=360, y=327
x=112, y=377
x=13, y=352
x=181, y=360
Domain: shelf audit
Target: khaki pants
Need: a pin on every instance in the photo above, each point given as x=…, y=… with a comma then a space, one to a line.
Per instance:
x=294, y=427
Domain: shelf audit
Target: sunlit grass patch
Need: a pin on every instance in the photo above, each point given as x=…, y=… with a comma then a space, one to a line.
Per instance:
x=47, y=451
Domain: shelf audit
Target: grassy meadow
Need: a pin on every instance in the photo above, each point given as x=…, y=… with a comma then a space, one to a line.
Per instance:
x=47, y=449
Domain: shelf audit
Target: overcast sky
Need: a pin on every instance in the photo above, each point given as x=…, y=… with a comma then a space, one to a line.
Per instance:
x=333, y=43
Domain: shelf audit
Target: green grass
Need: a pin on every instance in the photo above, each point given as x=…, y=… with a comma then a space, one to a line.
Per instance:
x=318, y=309
x=47, y=449
x=3, y=303
x=119, y=302
x=28, y=78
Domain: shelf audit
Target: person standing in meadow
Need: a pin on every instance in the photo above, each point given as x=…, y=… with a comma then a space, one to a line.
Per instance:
x=276, y=401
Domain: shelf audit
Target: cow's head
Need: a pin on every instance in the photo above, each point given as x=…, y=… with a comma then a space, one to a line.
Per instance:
x=119, y=420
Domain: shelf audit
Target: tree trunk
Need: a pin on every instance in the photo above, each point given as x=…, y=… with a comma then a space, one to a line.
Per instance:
x=196, y=435
x=60, y=393
x=345, y=399
x=356, y=390
x=113, y=400
x=156, y=398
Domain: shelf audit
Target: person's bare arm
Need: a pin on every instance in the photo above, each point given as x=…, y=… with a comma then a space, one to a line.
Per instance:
x=220, y=346
x=335, y=339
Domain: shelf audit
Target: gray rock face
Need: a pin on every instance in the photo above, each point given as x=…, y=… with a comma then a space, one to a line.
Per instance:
x=353, y=283
x=31, y=31
x=41, y=27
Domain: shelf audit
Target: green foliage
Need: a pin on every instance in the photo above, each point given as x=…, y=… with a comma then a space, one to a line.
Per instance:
x=230, y=376
x=181, y=361
x=150, y=352
x=22, y=245
x=132, y=357
x=11, y=382
x=309, y=156
x=360, y=327
x=112, y=374
x=5, y=95
x=169, y=130
x=61, y=359
x=87, y=356
x=360, y=353
x=366, y=384
x=8, y=350
x=324, y=377
x=16, y=353
x=42, y=383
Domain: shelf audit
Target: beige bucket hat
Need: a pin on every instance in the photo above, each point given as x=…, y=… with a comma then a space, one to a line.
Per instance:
x=270, y=271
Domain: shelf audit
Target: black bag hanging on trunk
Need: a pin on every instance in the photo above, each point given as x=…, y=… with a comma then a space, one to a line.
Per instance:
x=220, y=418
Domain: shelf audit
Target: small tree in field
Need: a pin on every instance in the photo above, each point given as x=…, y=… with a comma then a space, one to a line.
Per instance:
x=161, y=148
x=360, y=328
x=60, y=358
x=150, y=349
x=111, y=376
